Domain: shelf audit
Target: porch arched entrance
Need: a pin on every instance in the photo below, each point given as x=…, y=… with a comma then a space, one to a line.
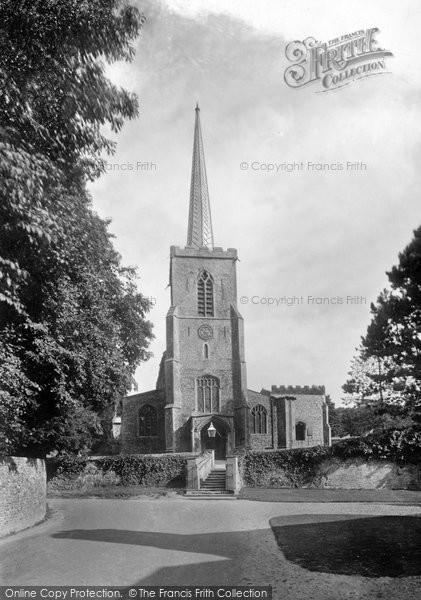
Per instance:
x=222, y=443
x=217, y=443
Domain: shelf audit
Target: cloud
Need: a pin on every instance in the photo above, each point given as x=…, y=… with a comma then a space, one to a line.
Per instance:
x=308, y=232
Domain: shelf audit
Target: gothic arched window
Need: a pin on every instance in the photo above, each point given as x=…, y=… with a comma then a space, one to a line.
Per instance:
x=300, y=431
x=259, y=419
x=207, y=389
x=147, y=421
x=205, y=295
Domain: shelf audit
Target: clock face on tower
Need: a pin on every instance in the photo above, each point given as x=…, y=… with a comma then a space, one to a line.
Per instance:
x=205, y=332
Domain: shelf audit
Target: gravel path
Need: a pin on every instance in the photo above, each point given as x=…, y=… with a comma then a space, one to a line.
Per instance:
x=177, y=541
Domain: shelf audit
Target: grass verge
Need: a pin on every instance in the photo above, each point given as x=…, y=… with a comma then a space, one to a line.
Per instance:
x=118, y=492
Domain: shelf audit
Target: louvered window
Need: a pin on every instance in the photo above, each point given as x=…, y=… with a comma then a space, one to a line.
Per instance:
x=205, y=295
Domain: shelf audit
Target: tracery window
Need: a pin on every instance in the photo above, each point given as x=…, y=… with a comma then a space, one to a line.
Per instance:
x=207, y=389
x=259, y=419
x=147, y=421
x=205, y=306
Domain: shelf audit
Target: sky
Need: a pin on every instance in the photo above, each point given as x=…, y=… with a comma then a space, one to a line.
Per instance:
x=304, y=233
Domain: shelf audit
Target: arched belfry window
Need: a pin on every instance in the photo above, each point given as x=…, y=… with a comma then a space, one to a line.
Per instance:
x=205, y=295
x=147, y=421
x=300, y=431
x=207, y=390
x=259, y=419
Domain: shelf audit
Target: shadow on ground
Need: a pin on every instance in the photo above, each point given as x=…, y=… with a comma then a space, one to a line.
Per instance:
x=388, y=546
x=203, y=559
x=367, y=546
x=196, y=543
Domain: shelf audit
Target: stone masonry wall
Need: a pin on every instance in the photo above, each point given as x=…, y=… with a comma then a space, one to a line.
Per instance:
x=260, y=441
x=305, y=404
x=345, y=474
x=131, y=442
x=356, y=474
x=22, y=493
x=309, y=409
x=188, y=355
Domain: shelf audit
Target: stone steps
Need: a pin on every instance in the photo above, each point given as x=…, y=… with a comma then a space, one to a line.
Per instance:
x=215, y=482
x=207, y=495
x=212, y=486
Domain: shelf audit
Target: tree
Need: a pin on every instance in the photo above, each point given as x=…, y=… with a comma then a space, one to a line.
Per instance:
x=354, y=421
x=334, y=418
x=72, y=323
x=368, y=382
x=54, y=98
x=388, y=366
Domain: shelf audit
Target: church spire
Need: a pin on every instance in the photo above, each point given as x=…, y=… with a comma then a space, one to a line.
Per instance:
x=200, y=223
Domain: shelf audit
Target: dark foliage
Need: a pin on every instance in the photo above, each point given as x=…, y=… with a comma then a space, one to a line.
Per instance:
x=391, y=348
x=300, y=465
x=133, y=469
x=72, y=323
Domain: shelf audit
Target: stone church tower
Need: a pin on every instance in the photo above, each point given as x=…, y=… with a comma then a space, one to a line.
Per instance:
x=205, y=370
x=202, y=379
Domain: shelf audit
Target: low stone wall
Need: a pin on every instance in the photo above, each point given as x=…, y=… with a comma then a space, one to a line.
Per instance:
x=357, y=474
x=22, y=493
x=345, y=474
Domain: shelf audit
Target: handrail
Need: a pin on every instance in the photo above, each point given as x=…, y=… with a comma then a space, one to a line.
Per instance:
x=198, y=469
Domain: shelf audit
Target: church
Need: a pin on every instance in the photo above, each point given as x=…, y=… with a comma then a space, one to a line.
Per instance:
x=201, y=400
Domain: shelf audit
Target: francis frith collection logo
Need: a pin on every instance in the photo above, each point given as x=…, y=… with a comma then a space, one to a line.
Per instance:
x=335, y=63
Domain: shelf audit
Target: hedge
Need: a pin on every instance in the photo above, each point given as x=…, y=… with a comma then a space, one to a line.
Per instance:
x=131, y=469
x=294, y=467
x=299, y=466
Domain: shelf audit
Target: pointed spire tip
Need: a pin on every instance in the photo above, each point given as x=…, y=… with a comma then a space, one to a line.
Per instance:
x=199, y=233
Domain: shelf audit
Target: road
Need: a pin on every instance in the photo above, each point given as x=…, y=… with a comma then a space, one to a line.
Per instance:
x=179, y=541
